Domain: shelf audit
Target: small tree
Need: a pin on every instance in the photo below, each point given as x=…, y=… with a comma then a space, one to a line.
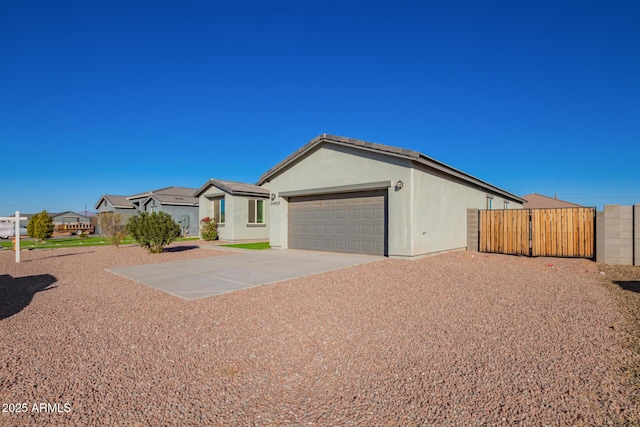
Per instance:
x=153, y=231
x=209, y=229
x=40, y=226
x=112, y=226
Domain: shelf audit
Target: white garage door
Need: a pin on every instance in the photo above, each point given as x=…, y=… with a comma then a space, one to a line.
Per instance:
x=349, y=222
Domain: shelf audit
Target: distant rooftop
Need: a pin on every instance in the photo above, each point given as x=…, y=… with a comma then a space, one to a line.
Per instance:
x=539, y=201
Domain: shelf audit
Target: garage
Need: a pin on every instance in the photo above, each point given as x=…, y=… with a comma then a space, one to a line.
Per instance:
x=348, y=222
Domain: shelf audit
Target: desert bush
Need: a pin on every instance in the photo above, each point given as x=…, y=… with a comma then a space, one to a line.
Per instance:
x=112, y=226
x=153, y=231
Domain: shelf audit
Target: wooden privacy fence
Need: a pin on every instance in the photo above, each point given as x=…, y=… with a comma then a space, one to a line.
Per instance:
x=565, y=232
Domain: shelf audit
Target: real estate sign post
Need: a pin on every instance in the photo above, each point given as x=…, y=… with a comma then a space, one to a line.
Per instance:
x=16, y=234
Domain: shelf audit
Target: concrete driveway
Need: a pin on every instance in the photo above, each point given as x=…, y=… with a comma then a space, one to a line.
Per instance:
x=205, y=277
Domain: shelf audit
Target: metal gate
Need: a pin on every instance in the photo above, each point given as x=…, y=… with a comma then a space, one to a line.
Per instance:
x=563, y=232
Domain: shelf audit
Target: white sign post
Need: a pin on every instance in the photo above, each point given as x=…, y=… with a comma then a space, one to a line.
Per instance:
x=17, y=219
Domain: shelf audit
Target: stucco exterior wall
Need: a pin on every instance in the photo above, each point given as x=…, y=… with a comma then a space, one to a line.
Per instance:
x=236, y=227
x=428, y=214
x=177, y=211
x=334, y=166
x=440, y=210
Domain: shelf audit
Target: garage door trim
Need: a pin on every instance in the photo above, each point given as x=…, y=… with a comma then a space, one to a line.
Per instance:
x=380, y=185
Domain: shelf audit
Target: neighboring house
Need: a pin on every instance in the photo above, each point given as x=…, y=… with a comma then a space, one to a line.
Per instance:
x=68, y=217
x=241, y=210
x=59, y=218
x=538, y=201
x=347, y=195
x=118, y=204
x=178, y=202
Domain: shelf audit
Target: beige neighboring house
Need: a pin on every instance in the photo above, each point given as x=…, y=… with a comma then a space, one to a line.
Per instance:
x=240, y=209
x=346, y=195
x=538, y=201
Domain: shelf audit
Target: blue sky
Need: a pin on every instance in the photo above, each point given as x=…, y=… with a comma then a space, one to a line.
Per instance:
x=122, y=97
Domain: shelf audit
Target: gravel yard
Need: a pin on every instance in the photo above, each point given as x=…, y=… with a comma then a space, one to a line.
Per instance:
x=455, y=339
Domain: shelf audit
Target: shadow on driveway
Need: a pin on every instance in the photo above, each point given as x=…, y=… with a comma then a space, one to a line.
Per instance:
x=17, y=293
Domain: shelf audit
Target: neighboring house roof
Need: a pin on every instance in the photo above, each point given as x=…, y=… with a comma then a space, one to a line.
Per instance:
x=121, y=202
x=168, y=199
x=28, y=216
x=53, y=215
x=171, y=191
x=234, y=188
x=538, y=201
x=388, y=150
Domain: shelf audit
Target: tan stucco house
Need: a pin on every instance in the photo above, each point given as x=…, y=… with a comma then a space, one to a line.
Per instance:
x=240, y=209
x=347, y=195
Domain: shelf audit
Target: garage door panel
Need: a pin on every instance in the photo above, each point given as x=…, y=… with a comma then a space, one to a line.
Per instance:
x=349, y=222
x=367, y=230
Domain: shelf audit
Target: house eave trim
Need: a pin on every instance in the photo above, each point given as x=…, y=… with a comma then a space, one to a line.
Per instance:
x=379, y=185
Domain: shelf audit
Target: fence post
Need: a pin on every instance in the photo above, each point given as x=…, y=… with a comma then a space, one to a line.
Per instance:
x=473, y=239
x=600, y=246
x=636, y=235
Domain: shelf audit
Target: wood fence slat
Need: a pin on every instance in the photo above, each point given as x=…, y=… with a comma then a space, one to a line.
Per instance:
x=566, y=232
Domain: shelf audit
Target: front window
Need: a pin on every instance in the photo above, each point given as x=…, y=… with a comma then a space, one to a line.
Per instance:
x=154, y=209
x=256, y=211
x=219, y=211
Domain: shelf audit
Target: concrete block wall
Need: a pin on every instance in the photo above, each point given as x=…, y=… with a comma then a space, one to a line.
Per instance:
x=636, y=235
x=473, y=232
x=618, y=230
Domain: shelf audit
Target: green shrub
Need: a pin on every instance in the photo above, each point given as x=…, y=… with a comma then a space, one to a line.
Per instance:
x=40, y=226
x=153, y=231
x=209, y=229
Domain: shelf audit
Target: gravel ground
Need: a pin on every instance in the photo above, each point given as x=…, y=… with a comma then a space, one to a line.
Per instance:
x=455, y=339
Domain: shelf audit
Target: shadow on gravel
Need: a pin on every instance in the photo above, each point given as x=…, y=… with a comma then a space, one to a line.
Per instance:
x=180, y=248
x=58, y=256
x=17, y=293
x=629, y=285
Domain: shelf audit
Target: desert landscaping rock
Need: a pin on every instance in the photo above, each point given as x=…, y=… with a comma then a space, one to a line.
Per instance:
x=454, y=339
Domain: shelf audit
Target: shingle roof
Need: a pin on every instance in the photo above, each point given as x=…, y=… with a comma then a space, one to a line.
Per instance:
x=116, y=201
x=54, y=214
x=168, y=199
x=386, y=149
x=234, y=188
x=173, y=191
x=539, y=201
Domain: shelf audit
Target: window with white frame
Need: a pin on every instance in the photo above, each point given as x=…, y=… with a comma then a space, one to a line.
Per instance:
x=218, y=210
x=256, y=211
x=506, y=204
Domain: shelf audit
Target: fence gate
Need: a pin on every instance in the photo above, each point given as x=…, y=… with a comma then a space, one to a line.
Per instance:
x=564, y=232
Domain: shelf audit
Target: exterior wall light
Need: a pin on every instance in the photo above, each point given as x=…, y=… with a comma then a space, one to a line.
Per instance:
x=399, y=185
x=273, y=196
